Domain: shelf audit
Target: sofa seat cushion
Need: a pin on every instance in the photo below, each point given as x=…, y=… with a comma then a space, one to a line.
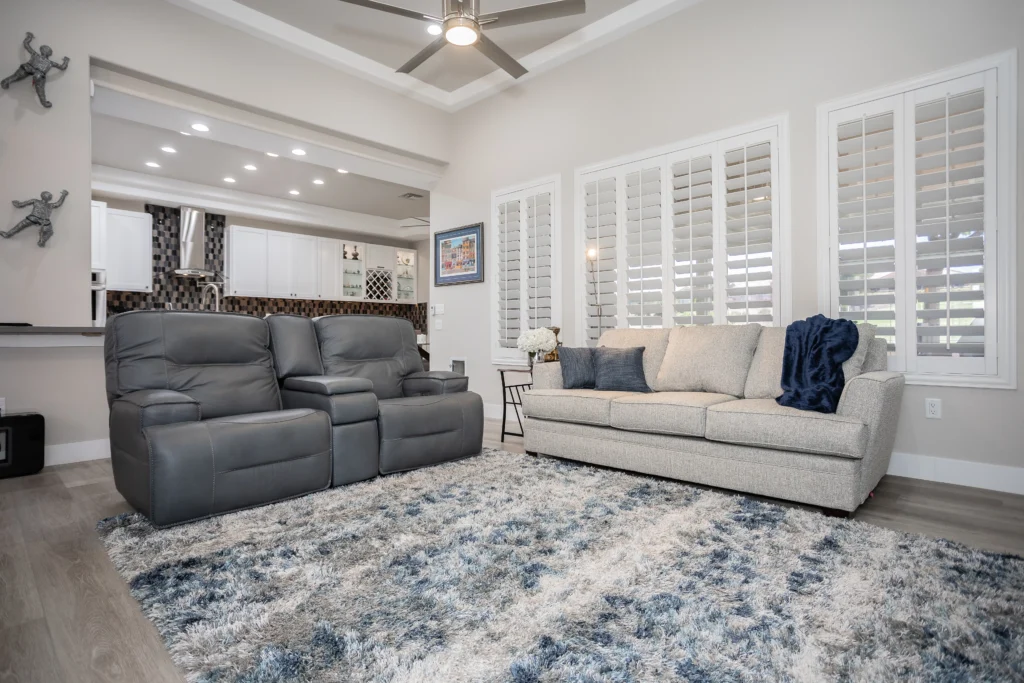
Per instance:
x=416, y=431
x=585, y=406
x=668, y=412
x=763, y=422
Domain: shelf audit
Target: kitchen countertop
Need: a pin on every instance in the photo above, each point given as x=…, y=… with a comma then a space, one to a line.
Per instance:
x=18, y=329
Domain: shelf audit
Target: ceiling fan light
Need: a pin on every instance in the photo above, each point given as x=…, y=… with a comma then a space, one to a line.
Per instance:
x=461, y=31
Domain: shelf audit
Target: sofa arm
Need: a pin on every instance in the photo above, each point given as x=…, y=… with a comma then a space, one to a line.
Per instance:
x=547, y=375
x=434, y=382
x=132, y=413
x=874, y=398
x=328, y=385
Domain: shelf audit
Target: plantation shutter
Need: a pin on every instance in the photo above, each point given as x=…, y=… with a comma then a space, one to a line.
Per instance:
x=539, y=252
x=865, y=221
x=693, y=242
x=644, y=283
x=749, y=234
x=509, y=309
x=600, y=233
x=953, y=155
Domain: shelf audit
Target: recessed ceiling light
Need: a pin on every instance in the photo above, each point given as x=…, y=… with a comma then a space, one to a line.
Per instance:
x=229, y=180
x=318, y=182
x=271, y=154
x=184, y=133
x=169, y=150
x=249, y=167
x=152, y=164
x=299, y=152
x=201, y=127
x=341, y=170
x=293, y=192
x=434, y=29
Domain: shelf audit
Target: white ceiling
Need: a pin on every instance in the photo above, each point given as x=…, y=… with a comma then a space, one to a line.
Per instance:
x=393, y=40
x=128, y=145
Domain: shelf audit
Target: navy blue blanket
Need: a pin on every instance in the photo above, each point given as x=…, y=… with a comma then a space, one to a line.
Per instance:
x=812, y=367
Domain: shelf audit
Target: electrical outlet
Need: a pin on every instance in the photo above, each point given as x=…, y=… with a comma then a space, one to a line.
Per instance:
x=437, y=324
x=933, y=408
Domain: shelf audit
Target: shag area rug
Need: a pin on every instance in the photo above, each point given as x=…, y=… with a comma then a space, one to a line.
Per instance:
x=507, y=567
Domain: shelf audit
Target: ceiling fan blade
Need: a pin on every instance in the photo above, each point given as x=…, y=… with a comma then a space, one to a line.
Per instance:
x=525, y=15
x=391, y=9
x=499, y=56
x=423, y=55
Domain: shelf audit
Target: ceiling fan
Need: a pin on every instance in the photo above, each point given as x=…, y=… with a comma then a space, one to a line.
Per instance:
x=462, y=24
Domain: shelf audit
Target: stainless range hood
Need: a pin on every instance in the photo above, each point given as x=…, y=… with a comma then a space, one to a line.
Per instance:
x=192, y=249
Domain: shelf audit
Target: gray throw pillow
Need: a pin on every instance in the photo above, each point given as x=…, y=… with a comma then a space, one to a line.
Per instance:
x=577, y=367
x=619, y=369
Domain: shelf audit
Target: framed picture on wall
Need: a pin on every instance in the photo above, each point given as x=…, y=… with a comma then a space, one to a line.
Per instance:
x=459, y=255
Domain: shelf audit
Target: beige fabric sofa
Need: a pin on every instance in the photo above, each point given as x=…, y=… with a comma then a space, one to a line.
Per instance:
x=744, y=442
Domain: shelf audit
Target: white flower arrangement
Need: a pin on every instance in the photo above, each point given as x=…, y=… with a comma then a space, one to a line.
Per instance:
x=537, y=341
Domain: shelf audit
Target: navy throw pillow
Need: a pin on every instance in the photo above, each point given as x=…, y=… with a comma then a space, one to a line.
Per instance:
x=619, y=369
x=577, y=367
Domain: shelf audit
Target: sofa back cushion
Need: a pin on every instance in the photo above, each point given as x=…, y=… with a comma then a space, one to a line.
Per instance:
x=712, y=358
x=877, y=359
x=854, y=365
x=293, y=343
x=380, y=349
x=654, y=341
x=764, y=380
x=222, y=360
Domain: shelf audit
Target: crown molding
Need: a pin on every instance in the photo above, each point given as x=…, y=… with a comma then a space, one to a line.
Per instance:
x=592, y=36
x=123, y=184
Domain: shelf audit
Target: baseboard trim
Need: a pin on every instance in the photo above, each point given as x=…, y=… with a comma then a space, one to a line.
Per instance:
x=961, y=472
x=492, y=411
x=78, y=451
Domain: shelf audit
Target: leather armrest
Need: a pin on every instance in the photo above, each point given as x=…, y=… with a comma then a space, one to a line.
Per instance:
x=132, y=413
x=148, y=398
x=328, y=385
x=434, y=382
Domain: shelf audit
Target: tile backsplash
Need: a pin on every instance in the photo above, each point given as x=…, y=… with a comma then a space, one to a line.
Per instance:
x=171, y=291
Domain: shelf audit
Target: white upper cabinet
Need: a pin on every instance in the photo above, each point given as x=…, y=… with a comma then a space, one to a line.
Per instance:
x=378, y=256
x=284, y=265
x=279, y=284
x=328, y=254
x=303, y=266
x=129, y=253
x=99, y=235
x=246, y=262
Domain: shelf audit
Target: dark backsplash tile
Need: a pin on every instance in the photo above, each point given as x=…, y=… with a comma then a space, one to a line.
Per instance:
x=171, y=291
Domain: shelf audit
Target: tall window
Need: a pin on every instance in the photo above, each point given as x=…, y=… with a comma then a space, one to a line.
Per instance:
x=690, y=235
x=920, y=226
x=524, y=249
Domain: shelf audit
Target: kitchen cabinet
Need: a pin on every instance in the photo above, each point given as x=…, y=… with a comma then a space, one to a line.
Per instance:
x=129, y=252
x=291, y=265
x=329, y=268
x=99, y=235
x=284, y=265
x=246, y=262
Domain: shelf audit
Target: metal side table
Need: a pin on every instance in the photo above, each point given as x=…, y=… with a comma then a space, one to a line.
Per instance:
x=511, y=395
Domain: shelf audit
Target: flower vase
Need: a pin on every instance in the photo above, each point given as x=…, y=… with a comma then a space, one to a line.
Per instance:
x=532, y=355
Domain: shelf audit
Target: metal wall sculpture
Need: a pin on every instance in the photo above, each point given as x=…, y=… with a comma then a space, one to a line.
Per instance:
x=37, y=66
x=42, y=209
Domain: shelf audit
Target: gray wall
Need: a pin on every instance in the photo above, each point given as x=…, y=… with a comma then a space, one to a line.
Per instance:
x=718, y=64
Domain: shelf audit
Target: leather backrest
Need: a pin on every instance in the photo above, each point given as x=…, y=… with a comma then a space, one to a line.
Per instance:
x=222, y=360
x=293, y=343
x=381, y=349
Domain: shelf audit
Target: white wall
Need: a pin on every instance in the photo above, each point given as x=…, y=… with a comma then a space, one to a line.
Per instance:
x=719, y=64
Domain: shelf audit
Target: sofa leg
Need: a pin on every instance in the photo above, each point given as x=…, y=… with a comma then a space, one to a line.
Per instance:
x=836, y=512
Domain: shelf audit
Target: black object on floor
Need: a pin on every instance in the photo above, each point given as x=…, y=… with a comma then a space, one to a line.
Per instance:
x=21, y=444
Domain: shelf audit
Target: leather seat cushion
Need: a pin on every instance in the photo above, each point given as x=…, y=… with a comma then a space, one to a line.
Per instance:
x=424, y=430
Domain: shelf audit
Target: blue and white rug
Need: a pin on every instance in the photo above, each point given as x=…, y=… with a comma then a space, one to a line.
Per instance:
x=511, y=568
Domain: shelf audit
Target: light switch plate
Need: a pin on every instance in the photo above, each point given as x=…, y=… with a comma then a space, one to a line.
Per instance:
x=437, y=324
x=439, y=310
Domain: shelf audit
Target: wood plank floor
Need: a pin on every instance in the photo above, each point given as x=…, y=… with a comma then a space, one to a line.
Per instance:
x=66, y=615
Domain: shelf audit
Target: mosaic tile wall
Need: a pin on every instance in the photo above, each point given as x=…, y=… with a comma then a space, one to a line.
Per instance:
x=179, y=293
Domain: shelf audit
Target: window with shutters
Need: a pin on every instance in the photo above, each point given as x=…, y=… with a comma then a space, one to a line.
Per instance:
x=920, y=197
x=526, y=285
x=687, y=235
